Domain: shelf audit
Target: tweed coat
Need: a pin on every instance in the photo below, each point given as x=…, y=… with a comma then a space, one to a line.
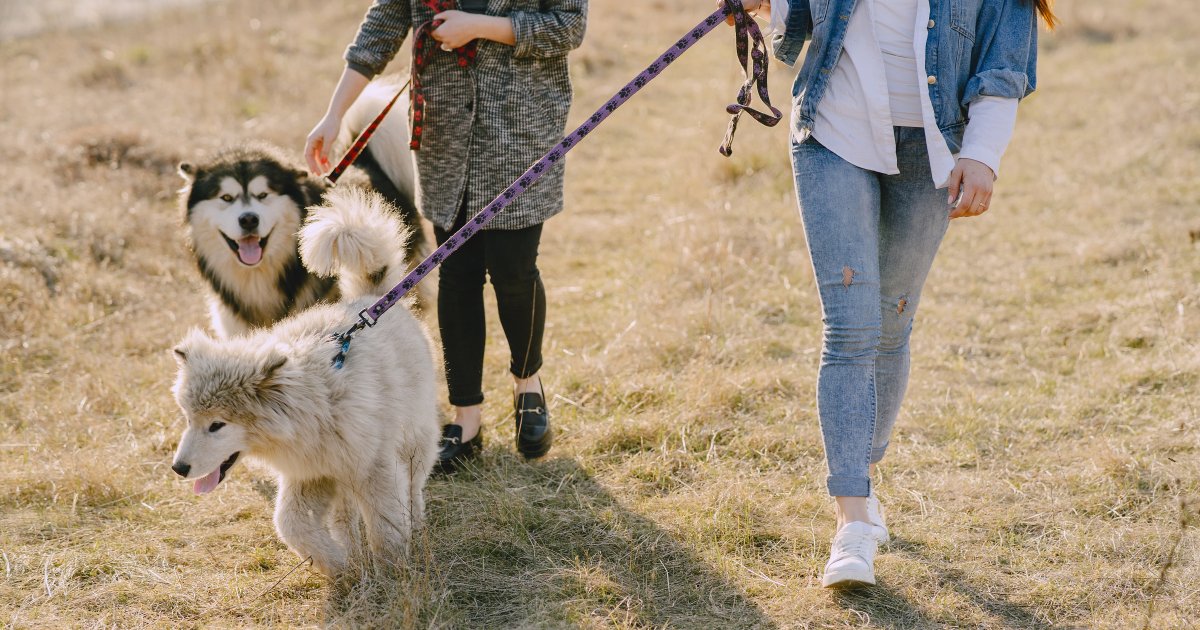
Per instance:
x=486, y=123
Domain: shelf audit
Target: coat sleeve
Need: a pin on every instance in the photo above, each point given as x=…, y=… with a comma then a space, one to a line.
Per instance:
x=552, y=32
x=1006, y=51
x=379, y=37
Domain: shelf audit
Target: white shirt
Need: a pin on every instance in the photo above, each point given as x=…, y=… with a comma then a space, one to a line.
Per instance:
x=878, y=84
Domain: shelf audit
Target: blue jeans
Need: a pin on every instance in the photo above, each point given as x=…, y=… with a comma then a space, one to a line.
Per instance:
x=872, y=238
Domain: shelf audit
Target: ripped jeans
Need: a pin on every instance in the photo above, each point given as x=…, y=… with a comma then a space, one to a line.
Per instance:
x=872, y=238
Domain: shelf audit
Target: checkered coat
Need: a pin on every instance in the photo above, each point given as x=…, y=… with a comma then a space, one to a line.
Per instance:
x=487, y=123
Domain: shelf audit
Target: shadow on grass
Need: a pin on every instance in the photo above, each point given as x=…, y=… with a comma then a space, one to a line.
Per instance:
x=889, y=607
x=512, y=544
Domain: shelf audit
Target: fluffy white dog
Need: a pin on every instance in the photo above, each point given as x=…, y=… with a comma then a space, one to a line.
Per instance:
x=349, y=442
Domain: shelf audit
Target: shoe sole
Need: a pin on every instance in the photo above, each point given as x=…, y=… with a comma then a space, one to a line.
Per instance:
x=848, y=585
x=454, y=464
x=847, y=580
x=535, y=454
x=536, y=450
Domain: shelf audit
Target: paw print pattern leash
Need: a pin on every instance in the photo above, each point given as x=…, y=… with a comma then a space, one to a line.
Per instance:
x=752, y=53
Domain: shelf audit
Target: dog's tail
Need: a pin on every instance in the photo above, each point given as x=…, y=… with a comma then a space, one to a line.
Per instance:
x=356, y=238
x=389, y=164
x=389, y=146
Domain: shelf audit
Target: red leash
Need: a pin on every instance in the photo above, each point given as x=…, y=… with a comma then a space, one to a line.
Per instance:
x=360, y=143
x=423, y=46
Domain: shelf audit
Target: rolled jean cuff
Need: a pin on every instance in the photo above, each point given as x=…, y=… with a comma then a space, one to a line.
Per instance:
x=878, y=453
x=848, y=486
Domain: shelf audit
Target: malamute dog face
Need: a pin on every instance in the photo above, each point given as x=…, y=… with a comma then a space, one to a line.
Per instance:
x=243, y=207
x=243, y=198
x=242, y=210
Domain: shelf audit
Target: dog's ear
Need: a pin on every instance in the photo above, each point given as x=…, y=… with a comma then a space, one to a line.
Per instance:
x=300, y=175
x=187, y=171
x=267, y=381
x=273, y=367
x=194, y=341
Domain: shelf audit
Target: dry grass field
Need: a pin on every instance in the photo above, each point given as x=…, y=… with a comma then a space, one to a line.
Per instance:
x=1046, y=469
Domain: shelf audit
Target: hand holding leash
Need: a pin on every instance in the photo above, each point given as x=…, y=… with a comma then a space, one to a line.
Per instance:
x=320, y=140
x=455, y=29
x=752, y=7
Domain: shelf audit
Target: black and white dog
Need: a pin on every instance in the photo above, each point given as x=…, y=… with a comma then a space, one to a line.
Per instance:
x=244, y=207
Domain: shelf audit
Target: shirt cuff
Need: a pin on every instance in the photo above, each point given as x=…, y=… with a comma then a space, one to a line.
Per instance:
x=361, y=69
x=778, y=24
x=989, y=130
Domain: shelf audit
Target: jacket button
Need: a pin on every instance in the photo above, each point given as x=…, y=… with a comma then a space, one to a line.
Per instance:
x=931, y=24
x=932, y=80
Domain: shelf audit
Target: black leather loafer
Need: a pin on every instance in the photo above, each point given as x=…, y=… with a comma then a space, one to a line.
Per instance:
x=533, y=425
x=455, y=451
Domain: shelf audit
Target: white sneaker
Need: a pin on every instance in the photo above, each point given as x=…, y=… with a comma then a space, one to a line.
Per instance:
x=852, y=558
x=875, y=513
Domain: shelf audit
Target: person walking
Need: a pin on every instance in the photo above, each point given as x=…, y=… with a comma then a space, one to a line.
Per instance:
x=902, y=110
x=491, y=93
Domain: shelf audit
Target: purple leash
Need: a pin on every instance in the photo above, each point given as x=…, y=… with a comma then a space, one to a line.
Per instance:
x=752, y=53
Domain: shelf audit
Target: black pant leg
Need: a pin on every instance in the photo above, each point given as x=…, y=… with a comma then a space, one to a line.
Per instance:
x=461, y=317
x=511, y=260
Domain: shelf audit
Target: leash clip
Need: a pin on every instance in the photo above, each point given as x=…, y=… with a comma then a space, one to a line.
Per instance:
x=343, y=340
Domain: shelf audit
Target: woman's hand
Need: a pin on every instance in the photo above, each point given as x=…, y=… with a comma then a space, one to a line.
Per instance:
x=457, y=29
x=974, y=179
x=753, y=7
x=320, y=142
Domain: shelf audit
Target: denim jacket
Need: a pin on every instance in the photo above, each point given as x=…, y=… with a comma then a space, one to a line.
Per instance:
x=976, y=48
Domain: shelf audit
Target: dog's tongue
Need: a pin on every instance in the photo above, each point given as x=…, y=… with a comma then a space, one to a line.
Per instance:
x=249, y=250
x=207, y=483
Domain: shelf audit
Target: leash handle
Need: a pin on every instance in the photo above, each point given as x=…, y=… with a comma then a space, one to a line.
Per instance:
x=360, y=142
x=746, y=30
x=423, y=49
x=752, y=54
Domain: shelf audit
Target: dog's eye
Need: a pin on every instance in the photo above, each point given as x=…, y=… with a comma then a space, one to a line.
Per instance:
x=216, y=426
x=227, y=198
x=262, y=195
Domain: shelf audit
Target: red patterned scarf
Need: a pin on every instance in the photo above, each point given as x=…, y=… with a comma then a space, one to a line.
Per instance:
x=424, y=46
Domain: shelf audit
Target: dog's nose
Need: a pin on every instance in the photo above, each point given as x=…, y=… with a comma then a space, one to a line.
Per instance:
x=248, y=221
x=181, y=468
